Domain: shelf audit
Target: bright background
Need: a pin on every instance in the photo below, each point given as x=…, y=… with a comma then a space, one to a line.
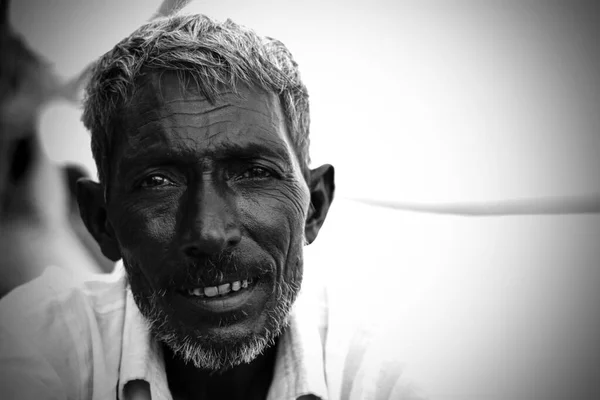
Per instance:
x=413, y=101
x=427, y=102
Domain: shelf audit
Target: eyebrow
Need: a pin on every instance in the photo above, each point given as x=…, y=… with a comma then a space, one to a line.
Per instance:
x=228, y=151
x=225, y=152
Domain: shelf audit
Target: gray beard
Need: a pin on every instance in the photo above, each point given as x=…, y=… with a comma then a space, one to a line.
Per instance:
x=208, y=352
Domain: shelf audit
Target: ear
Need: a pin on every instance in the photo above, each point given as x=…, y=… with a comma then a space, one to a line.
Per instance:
x=322, y=186
x=92, y=207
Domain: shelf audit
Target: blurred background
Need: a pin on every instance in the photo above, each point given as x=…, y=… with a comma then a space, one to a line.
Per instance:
x=413, y=101
x=466, y=141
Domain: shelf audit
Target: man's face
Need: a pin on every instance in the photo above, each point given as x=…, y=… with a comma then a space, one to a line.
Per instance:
x=208, y=206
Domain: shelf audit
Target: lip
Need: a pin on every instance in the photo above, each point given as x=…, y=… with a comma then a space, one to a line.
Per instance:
x=222, y=279
x=246, y=298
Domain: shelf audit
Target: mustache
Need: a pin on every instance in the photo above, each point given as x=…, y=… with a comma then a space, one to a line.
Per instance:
x=209, y=270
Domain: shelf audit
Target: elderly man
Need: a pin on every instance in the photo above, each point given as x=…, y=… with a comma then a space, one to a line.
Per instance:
x=200, y=134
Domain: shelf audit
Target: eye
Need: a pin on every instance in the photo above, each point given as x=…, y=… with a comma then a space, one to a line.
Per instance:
x=256, y=173
x=156, y=180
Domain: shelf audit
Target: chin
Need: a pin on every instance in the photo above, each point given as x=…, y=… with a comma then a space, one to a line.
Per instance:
x=224, y=342
x=219, y=354
x=218, y=340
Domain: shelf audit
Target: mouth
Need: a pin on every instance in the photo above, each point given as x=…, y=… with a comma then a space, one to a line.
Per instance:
x=225, y=297
x=224, y=290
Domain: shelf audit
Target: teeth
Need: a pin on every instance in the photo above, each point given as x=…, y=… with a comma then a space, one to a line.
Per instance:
x=212, y=291
x=224, y=288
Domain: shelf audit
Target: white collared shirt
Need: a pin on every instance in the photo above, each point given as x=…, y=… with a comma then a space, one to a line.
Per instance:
x=66, y=339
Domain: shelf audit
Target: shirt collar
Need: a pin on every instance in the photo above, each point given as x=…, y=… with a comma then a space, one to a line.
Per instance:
x=141, y=356
x=299, y=368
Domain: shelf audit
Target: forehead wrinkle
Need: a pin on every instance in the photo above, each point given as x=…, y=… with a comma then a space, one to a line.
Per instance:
x=164, y=91
x=186, y=107
x=188, y=102
x=167, y=109
x=170, y=119
x=183, y=136
x=230, y=126
x=270, y=116
x=193, y=95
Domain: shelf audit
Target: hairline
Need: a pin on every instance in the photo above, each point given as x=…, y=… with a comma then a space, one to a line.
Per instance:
x=219, y=52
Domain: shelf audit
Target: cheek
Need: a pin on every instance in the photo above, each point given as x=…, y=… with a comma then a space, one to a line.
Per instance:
x=143, y=231
x=275, y=220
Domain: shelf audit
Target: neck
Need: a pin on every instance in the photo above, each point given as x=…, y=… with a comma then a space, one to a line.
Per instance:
x=245, y=381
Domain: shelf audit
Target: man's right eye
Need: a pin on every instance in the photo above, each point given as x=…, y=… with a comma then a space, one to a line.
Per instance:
x=155, y=181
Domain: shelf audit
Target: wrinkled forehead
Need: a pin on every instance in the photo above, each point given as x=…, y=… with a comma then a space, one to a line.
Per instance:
x=161, y=94
x=173, y=102
x=156, y=90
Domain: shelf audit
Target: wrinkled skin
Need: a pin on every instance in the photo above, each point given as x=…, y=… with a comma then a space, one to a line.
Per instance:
x=203, y=193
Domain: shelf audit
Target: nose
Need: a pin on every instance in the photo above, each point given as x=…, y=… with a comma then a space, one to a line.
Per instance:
x=212, y=224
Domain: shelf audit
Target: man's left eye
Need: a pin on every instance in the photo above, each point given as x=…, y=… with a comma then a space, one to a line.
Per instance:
x=256, y=173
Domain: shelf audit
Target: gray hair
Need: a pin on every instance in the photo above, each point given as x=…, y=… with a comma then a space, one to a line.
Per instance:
x=213, y=54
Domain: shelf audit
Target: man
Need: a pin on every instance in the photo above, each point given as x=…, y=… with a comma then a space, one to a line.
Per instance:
x=200, y=134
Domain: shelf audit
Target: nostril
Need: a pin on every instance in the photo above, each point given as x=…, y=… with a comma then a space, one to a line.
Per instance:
x=192, y=251
x=211, y=242
x=234, y=236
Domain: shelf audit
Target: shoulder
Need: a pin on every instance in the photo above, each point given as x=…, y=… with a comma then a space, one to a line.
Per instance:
x=53, y=328
x=58, y=297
